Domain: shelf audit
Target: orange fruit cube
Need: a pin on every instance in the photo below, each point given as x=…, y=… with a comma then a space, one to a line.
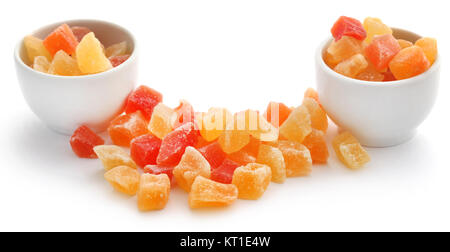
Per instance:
x=123, y=179
x=162, y=121
x=35, y=47
x=276, y=113
x=208, y=193
x=319, y=118
x=381, y=51
x=409, y=62
x=126, y=127
x=297, y=158
x=298, y=125
x=429, y=46
x=153, y=192
x=113, y=156
x=352, y=66
x=90, y=56
x=317, y=146
x=349, y=151
x=273, y=157
x=192, y=164
x=62, y=38
x=252, y=180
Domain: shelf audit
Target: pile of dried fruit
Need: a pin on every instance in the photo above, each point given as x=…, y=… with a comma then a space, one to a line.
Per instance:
x=215, y=156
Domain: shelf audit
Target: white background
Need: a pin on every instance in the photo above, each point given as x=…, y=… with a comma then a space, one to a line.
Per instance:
x=239, y=54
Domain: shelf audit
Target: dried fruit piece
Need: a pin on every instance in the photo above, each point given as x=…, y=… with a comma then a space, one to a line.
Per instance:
x=207, y=193
x=124, y=179
x=341, y=50
x=429, y=46
x=312, y=93
x=297, y=126
x=83, y=142
x=352, y=66
x=144, y=149
x=382, y=50
x=404, y=43
x=64, y=64
x=158, y=169
x=409, y=62
x=375, y=27
x=185, y=113
x=175, y=143
x=297, y=158
x=214, y=123
x=34, y=48
x=117, y=60
x=192, y=164
x=319, y=119
x=80, y=32
x=317, y=146
x=213, y=153
x=144, y=99
x=276, y=113
x=162, y=121
x=41, y=64
x=62, y=38
x=370, y=74
x=90, y=56
x=126, y=127
x=118, y=49
x=350, y=151
x=252, y=180
x=113, y=156
x=224, y=173
x=273, y=158
x=347, y=26
x=153, y=193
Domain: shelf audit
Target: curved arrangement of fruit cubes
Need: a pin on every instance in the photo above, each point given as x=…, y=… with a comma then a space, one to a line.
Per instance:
x=368, y=51
x=215, y=156
x=73, y=51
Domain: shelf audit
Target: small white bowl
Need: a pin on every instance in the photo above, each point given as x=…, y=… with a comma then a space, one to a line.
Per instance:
x=379, y=114
x=65, y=102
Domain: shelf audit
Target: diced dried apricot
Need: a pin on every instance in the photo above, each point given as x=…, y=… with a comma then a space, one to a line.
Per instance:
x=124, y=179
x=382, y=50
x=298, y=125
x=34, y=48
x=90, y=56
x=208, y=193
x=118, y=49
x=64, y=64
x=62, y=38
x=429, y=46
x=342, y=50
x=144, y=99
x=41, y=64
x=252, y=180
x=317, y=146
x=113, y=156
x=273, y=158
x=319, y=118
x=144, y=149
x=153, y=193
x=83, y=142
x=352, y=66
x=213, y=154
x=297, y=158
x=224, y=173
x=192, y=164
x=175, y=143
x=126, y=127
x=276, y=113
x=375, y=27
x=409, y=62
x=347, y=26
x=350, y=151
x=162, y=121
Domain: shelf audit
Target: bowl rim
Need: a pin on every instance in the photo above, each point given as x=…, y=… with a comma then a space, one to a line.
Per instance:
x=351, y=81
x=132, y=57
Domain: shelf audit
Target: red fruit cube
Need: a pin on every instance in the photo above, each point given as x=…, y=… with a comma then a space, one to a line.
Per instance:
x=62, y=38
x=83, y=142
x=119, y=59
x=224, y=173
x=346, y=26
x=126, y=127
x=144, y=149
x=185, y=113
x=143, y=99
x=382, y=50
x=80, y=32
x=158, y=169
x=213, y=153
x=389, y=76
x=174, y=144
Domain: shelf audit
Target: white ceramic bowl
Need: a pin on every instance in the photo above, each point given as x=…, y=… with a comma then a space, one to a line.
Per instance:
x=379, y=114
x=65, y=102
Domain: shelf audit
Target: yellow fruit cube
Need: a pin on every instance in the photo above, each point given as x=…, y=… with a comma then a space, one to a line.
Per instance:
x=34, y=48
x=63, y=64
x=375, y=27
x=297, y=158
x=162, y=121
x=252, y=180
x=319, y=118
x=118, y=49
x=273, y=157
x=153, y=193
x=297, y=126
x=124, y=179
x=353, y=66
x=349, y=151
x=191, y=165
x=113, y=156
x=90, y=56
x=41, y=64
x=208, y=193
x=341, y=50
